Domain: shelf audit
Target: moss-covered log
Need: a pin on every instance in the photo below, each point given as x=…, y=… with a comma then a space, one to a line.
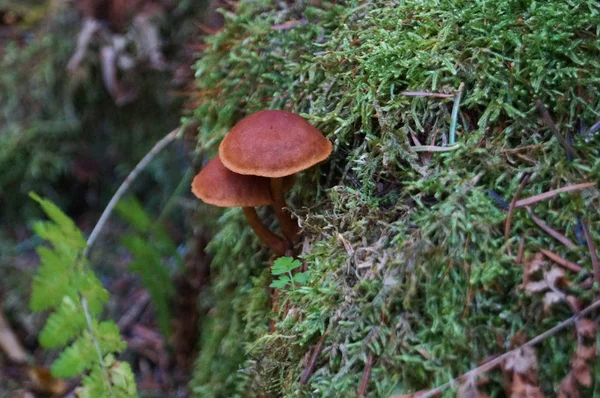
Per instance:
x=409, y=263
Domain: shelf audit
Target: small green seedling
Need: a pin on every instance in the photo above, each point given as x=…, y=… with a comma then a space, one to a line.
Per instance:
x=285, y=265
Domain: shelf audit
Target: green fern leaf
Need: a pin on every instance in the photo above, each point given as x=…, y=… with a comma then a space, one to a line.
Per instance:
x=93, y=291
x=155, y=276
x=133, y=211
x=65, y=225
x=82, y=354
x=65, y=282
x=123, y=380
x=94, y=385
x=51, y=282
x=121, y=376
x=64, y=324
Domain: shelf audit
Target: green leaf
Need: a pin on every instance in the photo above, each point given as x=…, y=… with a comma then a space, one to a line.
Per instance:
x=91, y=288
x=62, y=221
x=132, y=210
x=281, y=282
x=302, y=277
x=284, y=265
x=63, y=324
x=120, y=374
x=51, y=282
x=82, y=354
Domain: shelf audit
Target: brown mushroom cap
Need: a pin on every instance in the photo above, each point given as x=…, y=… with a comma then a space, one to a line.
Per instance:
x=273, y=144
x=219, y=186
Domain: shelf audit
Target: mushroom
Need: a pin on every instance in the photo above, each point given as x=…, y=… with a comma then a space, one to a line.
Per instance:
x=219, y=186
x=274, y=144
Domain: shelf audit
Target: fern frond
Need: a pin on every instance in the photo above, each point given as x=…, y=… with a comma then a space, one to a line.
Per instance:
x=149, y=246
x=155, y=276
x=81, y=355
x=64, y=324
x=93, y=291
x=131, y=210
x=121, y=376
x=64, y=282
x=51, y=283
x=62, y=231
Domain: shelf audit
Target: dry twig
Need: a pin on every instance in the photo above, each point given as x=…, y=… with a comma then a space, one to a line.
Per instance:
x=313, y=359
x=511, y=209
x=550, y=123
x=159, y=146
x=547, y=195
x=552, y=232
x=425, y=94
x=364, y=382
x=433, y=148
x=561, y=261
x=592, y=249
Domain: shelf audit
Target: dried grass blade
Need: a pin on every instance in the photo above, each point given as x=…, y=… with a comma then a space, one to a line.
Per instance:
x=561, y=261
x=364, y=382
x=433, y=148
x=592, y=249
x=425, y=94
x=313, y=359
x=547, y=195
x=511, y=209
x=553, y=233
x=452, y=137
x=550, y=123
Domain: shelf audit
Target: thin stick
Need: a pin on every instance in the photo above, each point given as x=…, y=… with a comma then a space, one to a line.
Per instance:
x=547, y=229
x=561, y=261
x=550, y=123
x=521, y=148
x=433, y=148
x=159, y=146
x=313, y=360
x=550, y=194
x=592, y=249
x=133, y=312
x=498, y=360
x=364, y=382
x=519, y=259
x=425, y=94
x=452, y=137
x=511, y=209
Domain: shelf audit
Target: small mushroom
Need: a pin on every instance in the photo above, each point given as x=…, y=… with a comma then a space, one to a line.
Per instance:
x=274, y=144
x=219, y=186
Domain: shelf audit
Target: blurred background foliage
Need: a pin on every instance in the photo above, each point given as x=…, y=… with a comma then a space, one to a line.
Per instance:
x=63, y=137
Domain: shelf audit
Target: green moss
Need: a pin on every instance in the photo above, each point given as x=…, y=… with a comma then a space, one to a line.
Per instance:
x=407, y=252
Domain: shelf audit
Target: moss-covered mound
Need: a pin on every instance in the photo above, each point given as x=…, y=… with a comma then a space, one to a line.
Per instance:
x=411, y=273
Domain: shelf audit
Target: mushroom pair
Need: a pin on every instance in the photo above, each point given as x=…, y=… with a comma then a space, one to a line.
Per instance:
x=257, y=163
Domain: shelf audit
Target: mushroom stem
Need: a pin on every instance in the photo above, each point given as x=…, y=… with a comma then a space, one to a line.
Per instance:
x=267, y=237
x=289, y=227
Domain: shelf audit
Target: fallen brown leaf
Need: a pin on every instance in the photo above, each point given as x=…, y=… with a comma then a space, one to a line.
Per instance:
x=43, y=382
x=536, y=287
x=522, y=361
x=551, y=298
x=581, y=372
x=586, y=328
x=586, y=352
x=522, y=389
